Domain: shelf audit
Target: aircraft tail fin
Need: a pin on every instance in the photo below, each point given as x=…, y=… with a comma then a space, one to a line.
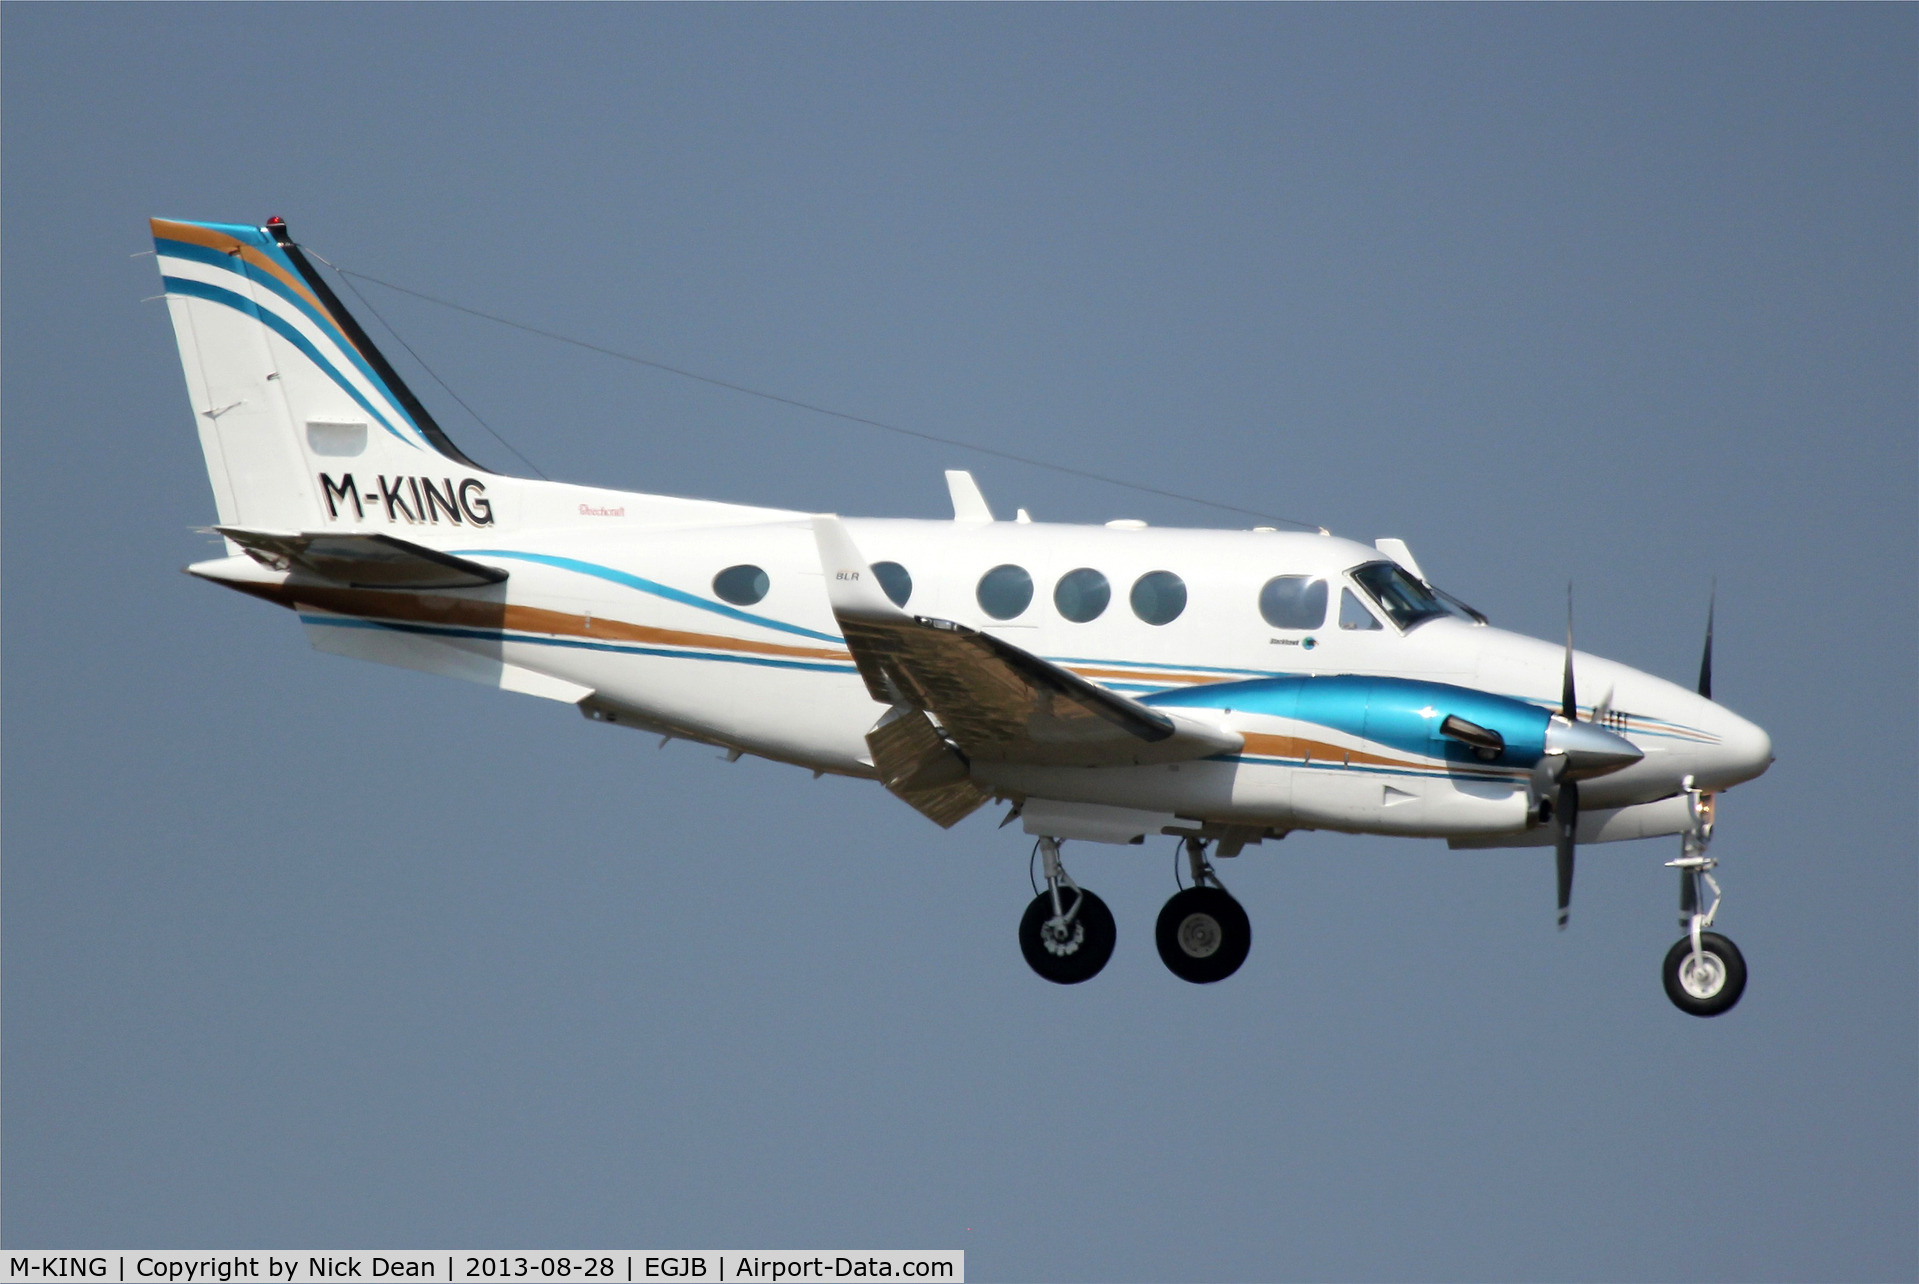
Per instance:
x=293, y=399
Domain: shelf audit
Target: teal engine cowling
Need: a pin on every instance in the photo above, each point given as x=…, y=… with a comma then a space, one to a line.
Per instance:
x=1391, y=755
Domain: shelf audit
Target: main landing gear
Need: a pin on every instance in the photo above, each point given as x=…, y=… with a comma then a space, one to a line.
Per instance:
x=1067, y=933
x=1203, y=935
x=1704, y=972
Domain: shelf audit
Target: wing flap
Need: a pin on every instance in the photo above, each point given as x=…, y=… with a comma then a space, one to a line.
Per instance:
x=919, y=766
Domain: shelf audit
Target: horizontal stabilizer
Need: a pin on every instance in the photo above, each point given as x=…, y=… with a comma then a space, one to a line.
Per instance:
x=997, y=702
x=363, y=560
x=350, y=637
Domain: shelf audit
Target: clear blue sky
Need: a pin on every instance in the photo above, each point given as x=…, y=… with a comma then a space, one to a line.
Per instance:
x=299, y=951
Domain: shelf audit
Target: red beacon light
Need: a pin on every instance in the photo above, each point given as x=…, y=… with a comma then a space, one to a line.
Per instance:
x=278, y=227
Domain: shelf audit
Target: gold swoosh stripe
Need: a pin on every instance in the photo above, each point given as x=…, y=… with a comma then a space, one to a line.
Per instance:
x=1309, y=751
x=192, y=235
x=463, y=612
x=1142, y=675
x=1319, y=751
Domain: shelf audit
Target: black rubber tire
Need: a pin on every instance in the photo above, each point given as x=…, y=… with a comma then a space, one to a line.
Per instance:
x=1216, y=935
x=1082, y=957
x=1729, y=991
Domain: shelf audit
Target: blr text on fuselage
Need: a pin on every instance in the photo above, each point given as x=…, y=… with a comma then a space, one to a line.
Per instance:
x=1111, y=684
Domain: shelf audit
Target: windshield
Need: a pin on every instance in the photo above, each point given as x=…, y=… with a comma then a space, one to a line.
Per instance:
x=1403, y=598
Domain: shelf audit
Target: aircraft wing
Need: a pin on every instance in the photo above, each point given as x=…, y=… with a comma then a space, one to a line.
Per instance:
x=363, y=560
x=997, y=702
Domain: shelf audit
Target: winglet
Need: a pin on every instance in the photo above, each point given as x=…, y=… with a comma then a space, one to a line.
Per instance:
x=851, y=586
x=969, y=505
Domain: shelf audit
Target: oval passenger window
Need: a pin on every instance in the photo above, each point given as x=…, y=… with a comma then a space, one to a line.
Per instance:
x=1082, y=595
x=741, y=585
x=894, y=579
x=1159, y=597
x=1005, y=591
x=1293, y=602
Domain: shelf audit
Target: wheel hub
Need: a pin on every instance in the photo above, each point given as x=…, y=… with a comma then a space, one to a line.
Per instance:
x=1062, y=936
x=1702, y=975
x=1200, y=936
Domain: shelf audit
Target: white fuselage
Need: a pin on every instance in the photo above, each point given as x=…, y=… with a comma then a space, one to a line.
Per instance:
x=615, y=606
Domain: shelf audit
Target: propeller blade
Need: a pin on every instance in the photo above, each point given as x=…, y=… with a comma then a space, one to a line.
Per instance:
x=1568, y=701
x=1604, y=706
x=1566, y=813
x=1705, y=658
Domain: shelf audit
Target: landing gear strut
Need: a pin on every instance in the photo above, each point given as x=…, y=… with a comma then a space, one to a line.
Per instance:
x=1067, y=933
x=1704, y=972
x=1203, y=934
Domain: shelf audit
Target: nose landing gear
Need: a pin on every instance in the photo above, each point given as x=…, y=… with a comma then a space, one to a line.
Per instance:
x=1704, y=972
x=1067, y=933
x=1203, y=935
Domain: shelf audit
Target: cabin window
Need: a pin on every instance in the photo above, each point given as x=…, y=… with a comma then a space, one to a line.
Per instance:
x=895, y=580
x=1005, y=591
x=1404, y=599
x=1293, y=602
x=1159, y=597
x=741, y=585
x=1082, y=595
x=1352, y=615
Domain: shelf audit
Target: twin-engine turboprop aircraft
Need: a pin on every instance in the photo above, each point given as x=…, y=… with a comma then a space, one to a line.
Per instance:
x=1110, y=682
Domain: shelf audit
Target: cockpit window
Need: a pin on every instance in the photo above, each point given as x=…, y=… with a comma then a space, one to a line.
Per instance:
x=1464, y=610
x=1404, y=599
x=1354, y=616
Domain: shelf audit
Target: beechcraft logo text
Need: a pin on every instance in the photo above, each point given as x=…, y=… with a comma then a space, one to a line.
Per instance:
x=414, y=500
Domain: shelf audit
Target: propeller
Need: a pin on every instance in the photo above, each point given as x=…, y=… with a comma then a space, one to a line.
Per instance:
x=1575, y=750
x=1566, y=807
x=1705, y=657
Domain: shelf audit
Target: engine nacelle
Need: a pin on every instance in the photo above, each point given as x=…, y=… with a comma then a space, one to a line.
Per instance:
x=1433, y=806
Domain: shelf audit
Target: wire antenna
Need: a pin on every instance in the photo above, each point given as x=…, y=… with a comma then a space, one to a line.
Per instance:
x=401, y=340
x=810, y=407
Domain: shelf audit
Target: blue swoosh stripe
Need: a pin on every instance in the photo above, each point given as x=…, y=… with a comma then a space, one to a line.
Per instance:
x=1642, y=725
x=245, y=306
x=210, y=257
x=648, y=586
x=500, y=635
x=1169, y=668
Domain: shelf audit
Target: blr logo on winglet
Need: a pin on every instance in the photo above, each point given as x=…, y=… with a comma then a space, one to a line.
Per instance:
x=416, y=499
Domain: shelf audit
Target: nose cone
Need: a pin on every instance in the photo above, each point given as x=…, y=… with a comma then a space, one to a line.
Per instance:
x=1743, y=752
x=1590, y=751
